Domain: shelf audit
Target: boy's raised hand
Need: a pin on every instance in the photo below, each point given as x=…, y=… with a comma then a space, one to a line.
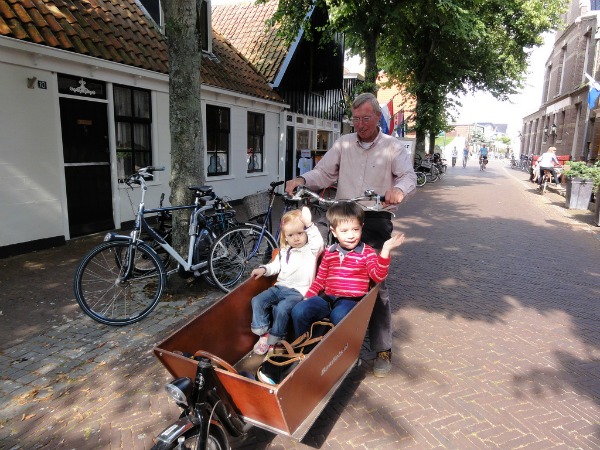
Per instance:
x=395, y=241
x=306, y=217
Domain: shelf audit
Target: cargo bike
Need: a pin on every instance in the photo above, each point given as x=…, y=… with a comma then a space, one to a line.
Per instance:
x=211, y=359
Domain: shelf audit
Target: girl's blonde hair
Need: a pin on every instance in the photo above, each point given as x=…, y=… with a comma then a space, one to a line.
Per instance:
x=288, y=217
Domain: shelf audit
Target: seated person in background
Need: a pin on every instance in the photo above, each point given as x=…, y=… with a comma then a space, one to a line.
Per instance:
x=301, y=244
x=547, y=161
x=345, y=271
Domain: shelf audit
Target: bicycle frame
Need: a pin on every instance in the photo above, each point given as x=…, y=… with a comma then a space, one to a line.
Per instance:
x=141, y=224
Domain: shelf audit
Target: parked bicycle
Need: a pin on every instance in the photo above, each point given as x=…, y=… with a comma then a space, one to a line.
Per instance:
x=430, y=169
x=238, y=251
x=120, y=281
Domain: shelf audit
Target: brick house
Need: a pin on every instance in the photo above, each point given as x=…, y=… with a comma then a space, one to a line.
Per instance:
x=563, y=119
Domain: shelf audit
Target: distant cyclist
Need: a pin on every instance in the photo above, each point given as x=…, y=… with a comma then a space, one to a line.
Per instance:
x=483, y=157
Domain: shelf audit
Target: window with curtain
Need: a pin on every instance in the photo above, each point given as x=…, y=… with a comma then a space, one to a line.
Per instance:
x=133, y=122
x=256, y=137
x=217, y=139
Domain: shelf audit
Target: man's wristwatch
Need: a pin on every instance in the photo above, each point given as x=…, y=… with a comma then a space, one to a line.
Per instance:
x=302, y=178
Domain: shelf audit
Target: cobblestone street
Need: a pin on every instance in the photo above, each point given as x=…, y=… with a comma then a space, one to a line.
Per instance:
x=496, y=344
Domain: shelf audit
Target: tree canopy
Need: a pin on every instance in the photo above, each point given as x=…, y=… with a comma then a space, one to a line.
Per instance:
x=434, y=48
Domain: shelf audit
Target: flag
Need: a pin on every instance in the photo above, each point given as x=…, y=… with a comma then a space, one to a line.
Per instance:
x=387, y=117
x=594, y=92
x=593, y=96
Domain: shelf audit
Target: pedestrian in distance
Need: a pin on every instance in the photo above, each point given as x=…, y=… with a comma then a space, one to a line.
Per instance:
x=368, y=159
x=454, y=156
x=301, y=244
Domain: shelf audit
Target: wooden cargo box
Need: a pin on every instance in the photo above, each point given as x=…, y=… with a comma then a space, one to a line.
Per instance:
x=290, y=407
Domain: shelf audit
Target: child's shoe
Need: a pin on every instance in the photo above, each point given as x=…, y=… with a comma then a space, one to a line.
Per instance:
x=261, y=347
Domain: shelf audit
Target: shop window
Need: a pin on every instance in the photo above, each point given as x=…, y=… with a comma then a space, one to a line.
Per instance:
x=256, y=137
x=133, y=122
x=217, y=139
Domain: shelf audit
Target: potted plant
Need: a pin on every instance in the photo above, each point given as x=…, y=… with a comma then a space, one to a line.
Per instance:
x=581, y=181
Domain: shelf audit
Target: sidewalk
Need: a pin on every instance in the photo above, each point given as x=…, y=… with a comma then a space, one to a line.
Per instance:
x=496, y=345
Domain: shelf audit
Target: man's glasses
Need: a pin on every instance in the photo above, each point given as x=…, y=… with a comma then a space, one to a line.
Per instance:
x=365, y=119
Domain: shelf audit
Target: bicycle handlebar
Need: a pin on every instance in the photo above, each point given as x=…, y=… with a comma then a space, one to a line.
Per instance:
x=303, y=192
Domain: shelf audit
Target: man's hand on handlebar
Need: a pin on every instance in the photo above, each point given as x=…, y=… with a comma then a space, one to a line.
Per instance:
x=393, y=197
x=291, y=185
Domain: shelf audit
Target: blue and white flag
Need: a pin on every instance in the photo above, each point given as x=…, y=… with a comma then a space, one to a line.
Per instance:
x=594, y=92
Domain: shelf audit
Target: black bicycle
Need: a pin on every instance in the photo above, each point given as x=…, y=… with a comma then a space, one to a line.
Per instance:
x=120, y=281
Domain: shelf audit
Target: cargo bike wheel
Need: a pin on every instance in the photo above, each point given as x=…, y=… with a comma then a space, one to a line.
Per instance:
x=237, y=252
x=110, y=295
x=217, y=439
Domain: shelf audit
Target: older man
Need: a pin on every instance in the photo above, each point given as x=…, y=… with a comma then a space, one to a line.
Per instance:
x=368, y=159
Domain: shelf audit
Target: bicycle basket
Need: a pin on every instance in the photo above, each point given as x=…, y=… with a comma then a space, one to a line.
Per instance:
x=256, y=204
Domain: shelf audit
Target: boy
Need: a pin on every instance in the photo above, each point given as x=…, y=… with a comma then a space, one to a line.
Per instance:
x=345, y=271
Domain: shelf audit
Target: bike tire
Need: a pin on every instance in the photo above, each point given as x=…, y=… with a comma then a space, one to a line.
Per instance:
x=421, y=179
x=217, y=439
x=108, y=300
x=433, y=175
x=231, y=258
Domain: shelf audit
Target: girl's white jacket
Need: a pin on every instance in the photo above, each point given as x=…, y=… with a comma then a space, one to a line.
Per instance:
x=297, y=266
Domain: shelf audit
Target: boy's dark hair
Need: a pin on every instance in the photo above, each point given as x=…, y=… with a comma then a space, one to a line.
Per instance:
x=343, y=212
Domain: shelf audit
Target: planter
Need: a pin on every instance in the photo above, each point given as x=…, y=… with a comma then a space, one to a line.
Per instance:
x=579, y=193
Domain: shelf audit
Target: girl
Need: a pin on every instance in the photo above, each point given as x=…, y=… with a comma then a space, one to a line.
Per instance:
x=301, y=244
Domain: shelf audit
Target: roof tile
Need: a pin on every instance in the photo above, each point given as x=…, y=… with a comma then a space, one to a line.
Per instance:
x=4, y=28
x=21, y=13
x=33, y=33
x=17, y=30
x=6, y=11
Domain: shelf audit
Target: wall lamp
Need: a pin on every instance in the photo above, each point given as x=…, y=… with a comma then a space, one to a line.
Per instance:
x=552, y=130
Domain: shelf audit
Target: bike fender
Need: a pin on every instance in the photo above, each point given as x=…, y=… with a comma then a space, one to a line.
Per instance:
x=112, y=237
x=169, y=436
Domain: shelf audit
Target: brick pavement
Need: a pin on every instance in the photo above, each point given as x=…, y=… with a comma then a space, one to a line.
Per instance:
x=497, y=341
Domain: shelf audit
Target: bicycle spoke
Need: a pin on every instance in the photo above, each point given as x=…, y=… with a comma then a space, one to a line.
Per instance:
x=236, y=253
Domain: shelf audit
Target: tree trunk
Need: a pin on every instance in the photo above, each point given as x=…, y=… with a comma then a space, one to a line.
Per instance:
x=420, y=142
x=185, y=114
x=431, y=142
x=371, y=69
